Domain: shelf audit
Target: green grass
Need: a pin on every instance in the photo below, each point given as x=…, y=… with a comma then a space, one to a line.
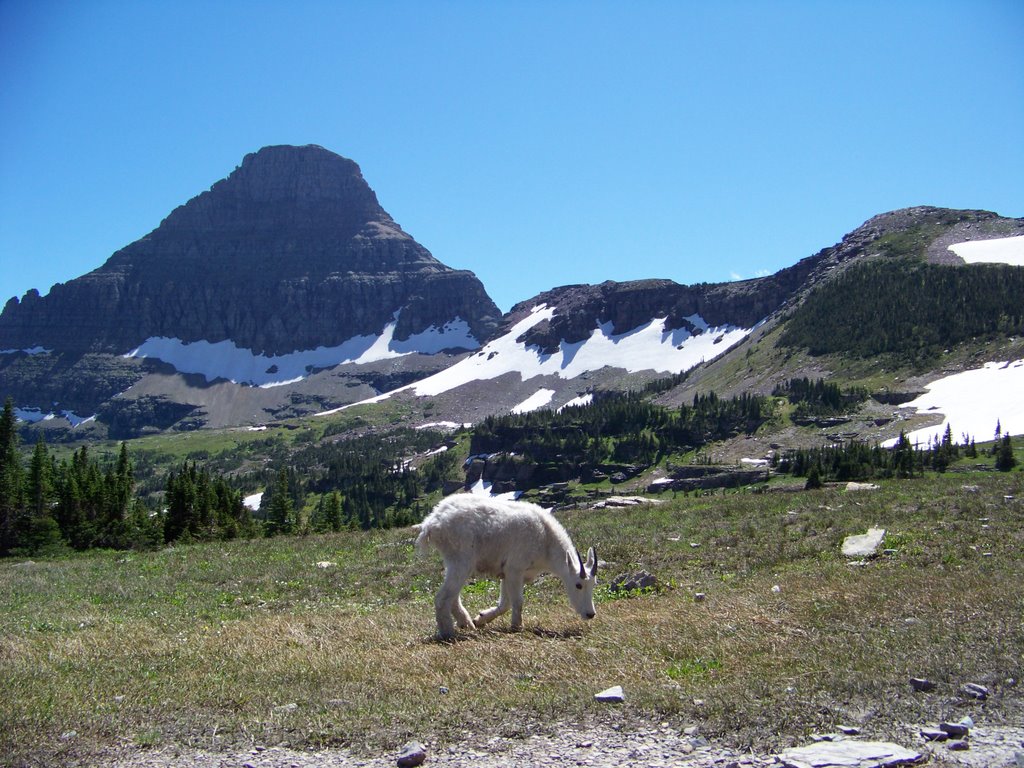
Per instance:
x=202, y=646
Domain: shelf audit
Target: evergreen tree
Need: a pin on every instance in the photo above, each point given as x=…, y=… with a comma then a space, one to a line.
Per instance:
x=333, y=511
x=12, y=500
x=281, y=514
x=1005, y=460
x=42, y=532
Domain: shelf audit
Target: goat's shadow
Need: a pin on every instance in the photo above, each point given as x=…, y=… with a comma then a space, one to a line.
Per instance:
x=487, y=633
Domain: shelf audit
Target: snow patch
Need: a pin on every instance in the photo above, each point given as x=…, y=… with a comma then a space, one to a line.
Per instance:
x=35, y=415
x=481, y=488
x=225, y=360
x=538, y=399
x=1002, y=250
x=30, y=351
x=449, y=425
x=253, y=501
x=577, y=402
x=972, y=402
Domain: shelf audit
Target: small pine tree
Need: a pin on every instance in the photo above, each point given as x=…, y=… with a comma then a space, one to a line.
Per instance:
x=1005, y=460
x=281, y=515
x=813, y=479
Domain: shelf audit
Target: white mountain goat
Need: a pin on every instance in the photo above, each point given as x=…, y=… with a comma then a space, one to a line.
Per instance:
x=509, y=540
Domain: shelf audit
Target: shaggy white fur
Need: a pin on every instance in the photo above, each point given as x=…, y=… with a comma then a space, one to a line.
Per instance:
x=513, y=541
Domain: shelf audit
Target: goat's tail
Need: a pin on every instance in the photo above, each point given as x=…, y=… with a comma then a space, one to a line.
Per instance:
x=423, y=540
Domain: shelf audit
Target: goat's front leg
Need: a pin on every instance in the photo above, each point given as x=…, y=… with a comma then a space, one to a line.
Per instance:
x=514, y=586
x=489, y=615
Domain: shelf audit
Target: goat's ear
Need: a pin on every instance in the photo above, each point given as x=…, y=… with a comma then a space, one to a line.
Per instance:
x=568, y=562
x=592, y=562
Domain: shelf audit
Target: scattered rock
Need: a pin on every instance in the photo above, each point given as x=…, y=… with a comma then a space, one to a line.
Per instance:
x=699, y=597
x=975, y=691
x=958, y=746
x=848, y=754
x=864, y=545
x=69, y=735
x=851, y=486
x=922, y=685
x=412, y=754
x=284, y=709
x=613, y=695
x=626, y=501
x=955, y=730
x=934, y=734
x=849, y=730
x=631, y=582
x=325, y=564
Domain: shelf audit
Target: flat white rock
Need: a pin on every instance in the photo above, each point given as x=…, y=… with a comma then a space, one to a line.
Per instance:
x=865, y=544
x=612, y=695
x=849, y=754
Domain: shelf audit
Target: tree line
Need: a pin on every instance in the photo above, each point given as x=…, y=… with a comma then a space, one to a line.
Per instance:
x=817, y=397
x=619, y=428
x=859, y=460
x=907, y=309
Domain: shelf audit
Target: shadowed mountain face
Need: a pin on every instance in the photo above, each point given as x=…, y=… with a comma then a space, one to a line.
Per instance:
x=290, y=252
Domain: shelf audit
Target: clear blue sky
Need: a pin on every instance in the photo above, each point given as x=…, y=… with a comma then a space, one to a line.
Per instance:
x=535, y=143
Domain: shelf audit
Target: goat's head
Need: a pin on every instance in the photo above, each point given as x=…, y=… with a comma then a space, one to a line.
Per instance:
x=581, y=582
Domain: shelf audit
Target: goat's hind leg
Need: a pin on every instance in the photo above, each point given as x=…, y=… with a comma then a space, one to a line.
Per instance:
x=447, y=601
x=462, y=618
x=490, y=614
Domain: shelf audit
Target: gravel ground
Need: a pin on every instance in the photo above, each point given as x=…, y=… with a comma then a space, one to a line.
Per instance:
x=599, y=746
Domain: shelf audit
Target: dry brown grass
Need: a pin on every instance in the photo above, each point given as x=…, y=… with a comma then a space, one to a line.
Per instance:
x=210, y=645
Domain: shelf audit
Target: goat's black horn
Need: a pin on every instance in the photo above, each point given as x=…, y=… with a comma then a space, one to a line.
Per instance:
x=583, y=573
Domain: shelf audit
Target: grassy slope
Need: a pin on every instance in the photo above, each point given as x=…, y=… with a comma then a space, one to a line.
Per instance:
x=198, y=645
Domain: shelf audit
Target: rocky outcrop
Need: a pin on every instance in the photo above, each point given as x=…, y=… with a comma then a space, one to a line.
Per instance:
x=292, y=251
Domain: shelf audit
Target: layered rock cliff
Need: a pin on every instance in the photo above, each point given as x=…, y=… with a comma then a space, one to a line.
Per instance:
x=292, y=251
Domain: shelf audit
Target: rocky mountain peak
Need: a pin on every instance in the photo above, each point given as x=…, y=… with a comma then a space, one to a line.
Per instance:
x=291, y=251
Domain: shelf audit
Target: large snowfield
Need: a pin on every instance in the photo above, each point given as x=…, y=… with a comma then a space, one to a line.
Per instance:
x=1003, y=250
x=972, y=403
x=224, y=360
x=648, y=347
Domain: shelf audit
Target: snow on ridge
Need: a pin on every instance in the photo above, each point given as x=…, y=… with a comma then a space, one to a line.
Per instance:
x=648, y=347
x=1004, y=250
x=225, y=360
x=253, y=501
x=652, y=346
x=972, y=402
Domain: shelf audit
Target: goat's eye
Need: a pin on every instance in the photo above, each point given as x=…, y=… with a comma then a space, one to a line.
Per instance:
x=579, y=586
